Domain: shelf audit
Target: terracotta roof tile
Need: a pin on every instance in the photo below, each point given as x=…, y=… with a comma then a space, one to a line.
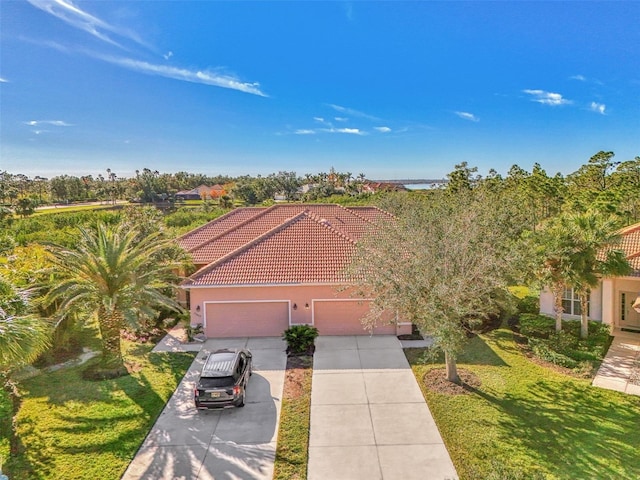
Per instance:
x=291, y=243
x=345, y=220
x=304, y=249
x=630, y=244
x=203, y=234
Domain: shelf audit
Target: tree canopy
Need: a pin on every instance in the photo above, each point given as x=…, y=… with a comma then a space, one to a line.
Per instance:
x=442, y=264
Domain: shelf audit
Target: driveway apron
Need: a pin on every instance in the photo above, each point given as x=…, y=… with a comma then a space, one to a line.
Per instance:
x=369, y=419
x=236, y=443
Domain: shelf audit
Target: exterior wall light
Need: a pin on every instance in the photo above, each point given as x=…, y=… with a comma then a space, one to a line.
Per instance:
x=295, y=306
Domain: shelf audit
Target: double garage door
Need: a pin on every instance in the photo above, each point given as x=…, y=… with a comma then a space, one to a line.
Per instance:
x=267, y=318
x=343, y=317
x=246, y=319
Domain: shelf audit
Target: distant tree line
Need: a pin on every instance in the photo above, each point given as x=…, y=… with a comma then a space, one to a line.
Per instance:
x=603, y=183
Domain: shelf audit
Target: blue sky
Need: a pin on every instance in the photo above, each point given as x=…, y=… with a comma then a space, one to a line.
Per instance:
x=389, y=89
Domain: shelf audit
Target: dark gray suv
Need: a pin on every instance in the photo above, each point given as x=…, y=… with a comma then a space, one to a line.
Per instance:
x=224, y=378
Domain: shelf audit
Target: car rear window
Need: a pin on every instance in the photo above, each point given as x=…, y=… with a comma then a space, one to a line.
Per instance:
x=211, y=382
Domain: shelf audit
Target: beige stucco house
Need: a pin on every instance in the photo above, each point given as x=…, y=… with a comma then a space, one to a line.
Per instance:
x=263, y=269
x=612, y=300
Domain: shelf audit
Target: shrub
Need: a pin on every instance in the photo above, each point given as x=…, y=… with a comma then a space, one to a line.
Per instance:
x=537, y=326
x=529, y=304
x=543, y=350
x=193, y=330
x=300, y=338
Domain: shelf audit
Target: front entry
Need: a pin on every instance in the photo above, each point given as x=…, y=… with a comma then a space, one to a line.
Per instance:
x=629, y=318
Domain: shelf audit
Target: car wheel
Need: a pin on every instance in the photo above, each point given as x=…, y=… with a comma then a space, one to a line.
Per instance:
x=241, y=402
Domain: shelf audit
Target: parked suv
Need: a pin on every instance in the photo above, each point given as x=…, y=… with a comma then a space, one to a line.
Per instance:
x=224, y=378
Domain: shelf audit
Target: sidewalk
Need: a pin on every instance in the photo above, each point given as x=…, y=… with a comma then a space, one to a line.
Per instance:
x=174, y=342
x=620, y=370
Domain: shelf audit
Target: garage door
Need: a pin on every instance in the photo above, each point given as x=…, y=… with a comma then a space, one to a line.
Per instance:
x=246, y=319
x=343, y=317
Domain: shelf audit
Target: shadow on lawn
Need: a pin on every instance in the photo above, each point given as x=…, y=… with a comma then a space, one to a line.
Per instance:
x=95, y=408
x=476, y=352
x=581, y=430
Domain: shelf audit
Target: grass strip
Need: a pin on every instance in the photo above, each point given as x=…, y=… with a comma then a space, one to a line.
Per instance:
x=292, y=453
x=531, y=421
x=69, y=427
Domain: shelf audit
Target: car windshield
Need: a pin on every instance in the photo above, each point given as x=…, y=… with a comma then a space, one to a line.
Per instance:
x=211, y=382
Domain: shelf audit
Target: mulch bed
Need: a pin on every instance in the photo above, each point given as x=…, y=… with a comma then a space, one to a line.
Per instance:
x=297, y=371
x=436, y=381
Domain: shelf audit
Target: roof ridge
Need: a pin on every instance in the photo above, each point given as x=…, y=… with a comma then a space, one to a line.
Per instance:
x=201, y=227
x=629, y=229
x=235, y=227
x=244, y=247
x=375, y=207
x=326, y=224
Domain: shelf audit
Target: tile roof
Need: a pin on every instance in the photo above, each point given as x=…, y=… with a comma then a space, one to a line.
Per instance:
x=299, y=243
x=630, y=244
x=203, y=234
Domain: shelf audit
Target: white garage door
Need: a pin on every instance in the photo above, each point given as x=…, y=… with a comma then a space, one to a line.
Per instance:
x=246, y=319
x=343, y=317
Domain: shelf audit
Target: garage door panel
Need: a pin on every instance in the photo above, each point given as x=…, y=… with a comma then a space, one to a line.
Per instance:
x=344, y=317
x=246, y=319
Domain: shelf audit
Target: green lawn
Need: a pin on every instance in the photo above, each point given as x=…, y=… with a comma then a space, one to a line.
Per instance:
x=292, y=453
x=5, y=426
x=70, y=428
x=529, y=421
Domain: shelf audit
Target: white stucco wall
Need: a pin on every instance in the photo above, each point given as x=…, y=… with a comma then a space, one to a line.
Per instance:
x=595, y=308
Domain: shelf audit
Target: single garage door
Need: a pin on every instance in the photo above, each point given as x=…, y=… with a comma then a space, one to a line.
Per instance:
x=343, y=317
x=246, y=319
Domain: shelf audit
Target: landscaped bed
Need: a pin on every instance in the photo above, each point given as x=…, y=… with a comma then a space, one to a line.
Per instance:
x=69, y=427
x=293, y=435
x=528, y=419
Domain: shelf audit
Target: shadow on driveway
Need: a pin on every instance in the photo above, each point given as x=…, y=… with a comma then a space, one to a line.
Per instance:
x=186, y=443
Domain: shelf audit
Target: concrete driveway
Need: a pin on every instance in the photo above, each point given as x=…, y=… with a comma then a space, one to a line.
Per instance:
x=369, y=419
x=238, y=443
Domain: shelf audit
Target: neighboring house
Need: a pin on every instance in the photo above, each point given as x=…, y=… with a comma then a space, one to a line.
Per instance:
x=200, y=193
x=261, y=270
x=612, y=300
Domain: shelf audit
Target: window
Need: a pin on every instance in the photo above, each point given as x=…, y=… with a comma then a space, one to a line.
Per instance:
x=571, y=302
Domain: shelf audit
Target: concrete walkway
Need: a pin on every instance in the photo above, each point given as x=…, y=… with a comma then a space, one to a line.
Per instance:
x=369, y=419
x=237, y=443
x=620, y=370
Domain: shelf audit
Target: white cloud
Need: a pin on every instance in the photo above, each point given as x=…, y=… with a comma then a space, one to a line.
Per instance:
x=467, y=116
x=341, y=119
x=598, y=107
x=580, y=78
x=547, y=98
x=55, y=123
x=352, y=131
x=382, y=129
x=168, y=55
x=3, y=80
x=205, y=77
x=352, y=112
x=319, y=119
x=69, y=13
x=330, y=129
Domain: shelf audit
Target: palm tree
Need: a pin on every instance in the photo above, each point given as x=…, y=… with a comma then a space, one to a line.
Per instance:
x=552, y=261
x=117, y=277
x=23, y=336
x=594, y=238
